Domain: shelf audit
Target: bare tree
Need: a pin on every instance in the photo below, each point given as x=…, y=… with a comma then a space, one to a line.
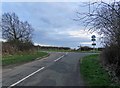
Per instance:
x=17, y=33
x=15, y=30
x=105, y=19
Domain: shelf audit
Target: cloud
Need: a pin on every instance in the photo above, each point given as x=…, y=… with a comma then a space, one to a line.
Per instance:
x=54, y=0
x=88, y=43
x=36, y=44
x=2, y=40
x=53, y=22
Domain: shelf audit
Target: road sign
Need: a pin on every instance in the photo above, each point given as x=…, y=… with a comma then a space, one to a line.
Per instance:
x=94, y=44
x=93, y=36
x=93, y=39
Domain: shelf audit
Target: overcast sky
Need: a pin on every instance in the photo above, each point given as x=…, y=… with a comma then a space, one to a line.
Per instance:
x=53, y=22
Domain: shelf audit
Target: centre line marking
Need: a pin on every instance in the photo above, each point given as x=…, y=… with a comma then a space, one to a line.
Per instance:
x=26, y=77
x=59, y=58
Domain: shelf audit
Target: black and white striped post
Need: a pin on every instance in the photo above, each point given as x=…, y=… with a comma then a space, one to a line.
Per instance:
x=93, y=40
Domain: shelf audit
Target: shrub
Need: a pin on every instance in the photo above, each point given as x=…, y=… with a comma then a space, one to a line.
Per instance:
x=110, y=58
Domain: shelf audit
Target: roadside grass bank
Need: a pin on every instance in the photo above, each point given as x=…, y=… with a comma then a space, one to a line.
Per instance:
x=21, y=58
x=93, y=73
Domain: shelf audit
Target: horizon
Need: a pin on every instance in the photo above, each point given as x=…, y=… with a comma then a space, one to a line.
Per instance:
x=53, y=27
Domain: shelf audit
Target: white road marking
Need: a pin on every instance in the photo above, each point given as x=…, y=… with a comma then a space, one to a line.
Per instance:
x=59, y=58
x=26, y=77
x=66, y=53
x=33, y=73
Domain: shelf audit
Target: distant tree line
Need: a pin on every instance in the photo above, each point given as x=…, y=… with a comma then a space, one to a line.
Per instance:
x=105, y=19
x=51, y=48
x=87, y=48
x=7, y=48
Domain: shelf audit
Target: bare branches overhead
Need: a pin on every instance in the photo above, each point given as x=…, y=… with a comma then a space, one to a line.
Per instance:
x=104, y=18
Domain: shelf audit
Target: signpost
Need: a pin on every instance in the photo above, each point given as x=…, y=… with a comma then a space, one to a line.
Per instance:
x=93, y=39
x=79, y=47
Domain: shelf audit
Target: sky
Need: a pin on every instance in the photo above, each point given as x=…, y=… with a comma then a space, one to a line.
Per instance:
x=53, y=22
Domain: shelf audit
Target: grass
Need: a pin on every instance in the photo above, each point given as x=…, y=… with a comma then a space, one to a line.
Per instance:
x=62, y=50
x=93, y=73
x=56, y=50
x=16, y=59
x=90, y=51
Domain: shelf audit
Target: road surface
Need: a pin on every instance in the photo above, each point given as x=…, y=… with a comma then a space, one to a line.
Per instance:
x=59, y=69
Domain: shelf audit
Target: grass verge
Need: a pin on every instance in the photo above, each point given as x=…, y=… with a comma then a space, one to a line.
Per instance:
x=16, y=59
x=93, y=73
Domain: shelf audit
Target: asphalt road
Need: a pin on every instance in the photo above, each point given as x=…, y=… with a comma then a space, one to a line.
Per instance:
x=59, y=69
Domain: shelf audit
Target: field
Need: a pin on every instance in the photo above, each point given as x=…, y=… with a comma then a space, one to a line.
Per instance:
x=21, y=58
x=93, y=73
